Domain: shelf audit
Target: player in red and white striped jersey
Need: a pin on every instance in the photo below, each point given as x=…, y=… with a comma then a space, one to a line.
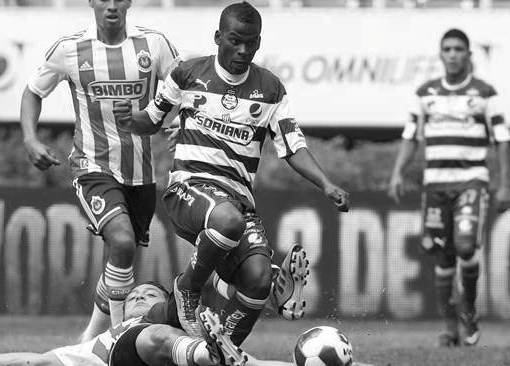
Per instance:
x=227, y=105
x=457, y=117
x=114, y=180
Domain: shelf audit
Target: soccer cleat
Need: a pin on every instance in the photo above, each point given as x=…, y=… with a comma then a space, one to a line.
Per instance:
x=289, y=284
x=448, y=339
x=219, y=344
x=187, y=302
x=470, y=324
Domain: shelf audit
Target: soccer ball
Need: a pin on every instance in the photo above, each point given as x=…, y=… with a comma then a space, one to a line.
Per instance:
x=323, y=346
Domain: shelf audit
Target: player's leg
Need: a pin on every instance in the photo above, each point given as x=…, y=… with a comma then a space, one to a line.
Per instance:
x=28, y=358
x=208, y=216
x=470, y=217
x=104, y=203
x=248, y=268
x=437, y=240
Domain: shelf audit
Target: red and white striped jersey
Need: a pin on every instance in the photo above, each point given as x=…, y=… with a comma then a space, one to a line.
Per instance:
x=457, y=122
x=224, y=121
x=98, y=75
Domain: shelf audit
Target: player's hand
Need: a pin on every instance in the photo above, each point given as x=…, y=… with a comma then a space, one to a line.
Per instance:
x=502, y=199
x=123, y=113
x=40, y=155
x=396, y=188
x=339, y=197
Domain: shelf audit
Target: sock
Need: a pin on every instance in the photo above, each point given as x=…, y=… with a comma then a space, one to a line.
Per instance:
x=100, y=318
x=444, y=291
x=470, y=271
x=240, y=315
x=119, y=281
x=211, y=246
x=187, y=351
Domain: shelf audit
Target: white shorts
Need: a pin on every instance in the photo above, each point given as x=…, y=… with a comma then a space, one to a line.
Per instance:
x=79, y=355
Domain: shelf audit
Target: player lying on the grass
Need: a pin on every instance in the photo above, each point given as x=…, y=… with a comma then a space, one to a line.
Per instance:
x=138, y=342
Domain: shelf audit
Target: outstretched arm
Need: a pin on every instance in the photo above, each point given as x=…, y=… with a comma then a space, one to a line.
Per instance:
x=406, y=153
x=39, y=154
x=29, y=359
x=303, y=162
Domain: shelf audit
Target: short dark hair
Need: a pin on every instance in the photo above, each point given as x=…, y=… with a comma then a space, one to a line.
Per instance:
x=243, y=12
x=456, y=33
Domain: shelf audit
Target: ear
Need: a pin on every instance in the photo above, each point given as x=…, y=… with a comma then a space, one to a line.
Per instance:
x=217, y=37
x=258, y=43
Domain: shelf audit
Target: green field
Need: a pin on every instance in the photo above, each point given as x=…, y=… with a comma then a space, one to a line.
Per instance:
x=382, y=343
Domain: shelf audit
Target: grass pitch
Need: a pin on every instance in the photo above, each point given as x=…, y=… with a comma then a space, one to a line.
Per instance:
x=382, y=343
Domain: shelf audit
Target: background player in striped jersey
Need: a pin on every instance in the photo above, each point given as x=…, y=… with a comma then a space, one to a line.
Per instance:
x=457, y=115
x=113, y=171
x=227, y=105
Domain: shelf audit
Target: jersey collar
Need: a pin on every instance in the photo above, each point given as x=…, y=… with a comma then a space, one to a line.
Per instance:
x=453, y=87
x=228, y=77
x=91, y=32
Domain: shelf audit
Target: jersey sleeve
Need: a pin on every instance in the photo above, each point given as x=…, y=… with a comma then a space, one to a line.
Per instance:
x=495, y=116
x=284, y=130
x=168, y=58
x=167, y=98
x=50, y=73
x=411, y=129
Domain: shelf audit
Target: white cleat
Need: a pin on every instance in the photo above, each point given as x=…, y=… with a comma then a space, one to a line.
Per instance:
x=187, y=302
x=219, y=344
x=289, y=284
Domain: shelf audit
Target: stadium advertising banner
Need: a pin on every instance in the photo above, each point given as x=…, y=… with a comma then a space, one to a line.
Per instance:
x=366, y=263
x=341, y=67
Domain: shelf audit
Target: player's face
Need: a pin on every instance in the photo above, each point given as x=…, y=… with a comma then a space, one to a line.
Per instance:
x=237, y=45
x=455, y=56
x=110, y=14
x=139, y=301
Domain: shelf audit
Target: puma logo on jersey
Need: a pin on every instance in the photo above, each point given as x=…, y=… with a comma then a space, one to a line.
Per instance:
x=198, y=81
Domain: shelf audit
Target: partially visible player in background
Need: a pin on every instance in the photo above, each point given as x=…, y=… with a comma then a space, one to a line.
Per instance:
x=113, y=171
x=458, y=116
x=227, y=106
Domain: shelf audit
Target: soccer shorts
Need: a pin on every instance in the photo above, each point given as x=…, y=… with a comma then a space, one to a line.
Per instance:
x=103, y=198
x=453, y=215
x=189, y=205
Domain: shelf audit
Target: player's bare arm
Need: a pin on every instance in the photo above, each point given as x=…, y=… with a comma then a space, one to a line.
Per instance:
x=405, y=156
x=503, y=191
x=305, y=164
x=40, y=155
x=137, y=122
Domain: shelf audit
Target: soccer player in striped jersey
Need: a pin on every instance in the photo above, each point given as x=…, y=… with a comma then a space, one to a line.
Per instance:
x=457, y=116
x=227, y=105
x=114, y=179
x=150, y=335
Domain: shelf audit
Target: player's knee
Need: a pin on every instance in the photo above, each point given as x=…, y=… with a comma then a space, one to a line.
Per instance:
x=255, y=280
x=154, y=345
x=227, y=220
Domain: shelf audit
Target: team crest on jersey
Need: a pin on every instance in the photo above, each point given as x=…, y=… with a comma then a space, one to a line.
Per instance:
x=97, y=204
x=144, y=61
x=229, y=100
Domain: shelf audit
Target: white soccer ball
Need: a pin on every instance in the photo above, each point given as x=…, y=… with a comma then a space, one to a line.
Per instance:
x=323, y=346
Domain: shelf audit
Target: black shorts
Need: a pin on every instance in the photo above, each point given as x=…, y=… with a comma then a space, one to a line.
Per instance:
x=189, y=205
x=103, y=198
x=124, y=352
x=450, y=215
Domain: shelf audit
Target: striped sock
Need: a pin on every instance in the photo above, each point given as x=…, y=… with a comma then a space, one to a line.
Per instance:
x=186, y=351
x=119, y=281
